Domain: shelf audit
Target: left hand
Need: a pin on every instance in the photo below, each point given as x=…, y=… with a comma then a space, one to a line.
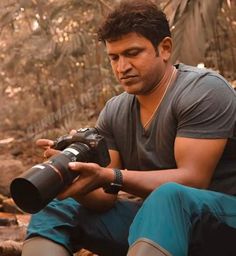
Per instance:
x=91, y=176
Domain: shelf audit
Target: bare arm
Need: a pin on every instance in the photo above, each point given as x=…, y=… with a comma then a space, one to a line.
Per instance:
x=196, y=161
x=96, y=199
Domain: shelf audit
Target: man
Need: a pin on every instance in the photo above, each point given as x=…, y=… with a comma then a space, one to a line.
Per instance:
x=171, y=141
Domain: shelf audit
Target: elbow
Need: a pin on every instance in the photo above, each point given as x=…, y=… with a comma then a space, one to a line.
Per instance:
x=200, y=183
x=205, y=185
x=195, y=179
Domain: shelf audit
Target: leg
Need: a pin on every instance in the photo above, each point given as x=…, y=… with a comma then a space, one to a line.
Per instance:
x=167, y=215
x=69, y=224
x=144, y=246
x=210, y=236
x=41, y=247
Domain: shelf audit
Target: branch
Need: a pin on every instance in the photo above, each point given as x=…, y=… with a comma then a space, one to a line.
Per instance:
x=105, y=4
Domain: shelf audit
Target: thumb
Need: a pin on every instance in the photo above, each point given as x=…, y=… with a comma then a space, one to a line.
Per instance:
x=76, y=166
x=80, y=166
x=72, y=165
x=72, y=132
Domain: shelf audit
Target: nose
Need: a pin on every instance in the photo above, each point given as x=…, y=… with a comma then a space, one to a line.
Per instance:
x=123, y=65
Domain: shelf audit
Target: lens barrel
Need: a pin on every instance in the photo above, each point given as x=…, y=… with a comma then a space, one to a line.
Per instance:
x=35, y=188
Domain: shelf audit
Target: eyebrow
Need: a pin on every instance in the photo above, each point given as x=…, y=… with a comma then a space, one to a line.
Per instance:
x=138, y=48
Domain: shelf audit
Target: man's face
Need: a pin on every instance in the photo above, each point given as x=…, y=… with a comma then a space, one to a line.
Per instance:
x=137, y=65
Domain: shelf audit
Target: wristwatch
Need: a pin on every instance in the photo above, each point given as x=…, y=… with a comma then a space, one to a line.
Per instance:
x=114, y=187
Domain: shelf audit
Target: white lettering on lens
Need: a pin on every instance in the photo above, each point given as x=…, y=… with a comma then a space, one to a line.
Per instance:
x=71, y=150
x=39, y=166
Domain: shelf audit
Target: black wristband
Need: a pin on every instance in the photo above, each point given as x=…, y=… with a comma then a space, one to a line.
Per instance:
x=118, y=176
x=114, y=187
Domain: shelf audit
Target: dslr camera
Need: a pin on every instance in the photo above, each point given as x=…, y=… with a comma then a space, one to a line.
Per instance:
x=36, y=187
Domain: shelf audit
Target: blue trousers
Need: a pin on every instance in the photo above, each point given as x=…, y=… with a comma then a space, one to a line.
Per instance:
x=166, y=217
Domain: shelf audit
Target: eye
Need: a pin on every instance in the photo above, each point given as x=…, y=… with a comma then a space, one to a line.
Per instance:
x=113, y=57
x=133, y=52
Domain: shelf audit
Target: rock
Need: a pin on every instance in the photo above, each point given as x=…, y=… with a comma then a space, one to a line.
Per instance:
x=2, y=198
x=23, y=219
x=16, y=151
x=15, y=233
x=7, y=219
x=10, y=248
x=6, y=141
x=9, y=170
x=12, y=236
x=10, y=206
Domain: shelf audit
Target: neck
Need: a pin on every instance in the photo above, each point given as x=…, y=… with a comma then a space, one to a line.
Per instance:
x=149, y=105
x=152, y=97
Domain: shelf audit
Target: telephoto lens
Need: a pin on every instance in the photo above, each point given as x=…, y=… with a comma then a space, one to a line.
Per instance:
x=36, y=187
x=40, y=184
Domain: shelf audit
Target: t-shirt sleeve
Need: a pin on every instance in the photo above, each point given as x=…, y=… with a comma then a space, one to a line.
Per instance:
x=104, y=126
x=206, y=109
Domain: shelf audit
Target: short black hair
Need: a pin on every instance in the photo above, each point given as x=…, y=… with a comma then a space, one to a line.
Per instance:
x=140, y=16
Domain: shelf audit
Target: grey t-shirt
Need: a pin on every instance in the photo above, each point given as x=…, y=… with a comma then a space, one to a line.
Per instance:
x=200, y=104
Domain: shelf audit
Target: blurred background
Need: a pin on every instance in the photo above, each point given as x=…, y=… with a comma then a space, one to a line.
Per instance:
x=55, y=76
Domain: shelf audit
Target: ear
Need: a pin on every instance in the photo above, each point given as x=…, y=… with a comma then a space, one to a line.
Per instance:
x=165, y=48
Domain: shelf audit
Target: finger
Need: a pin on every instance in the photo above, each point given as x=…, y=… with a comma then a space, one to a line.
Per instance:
x=73, y=189
x=50, y=152
x=80, y=187
x=44, y=143
x=72, y=132
x=74, y=166
x=80, y=166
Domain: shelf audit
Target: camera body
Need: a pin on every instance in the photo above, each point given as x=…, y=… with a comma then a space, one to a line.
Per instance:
x=33, y=190
x=97, y=148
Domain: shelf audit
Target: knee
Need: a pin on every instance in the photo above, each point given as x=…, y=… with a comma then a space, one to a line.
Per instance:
x=170, y=191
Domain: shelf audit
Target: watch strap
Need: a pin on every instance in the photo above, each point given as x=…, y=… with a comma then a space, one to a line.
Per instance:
x=118, y=176
x=114, y=187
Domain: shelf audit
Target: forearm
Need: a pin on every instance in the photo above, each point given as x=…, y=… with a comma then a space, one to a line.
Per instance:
x=195, y=167
x=142, y=183
x=96, y=200
x=89, y=192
